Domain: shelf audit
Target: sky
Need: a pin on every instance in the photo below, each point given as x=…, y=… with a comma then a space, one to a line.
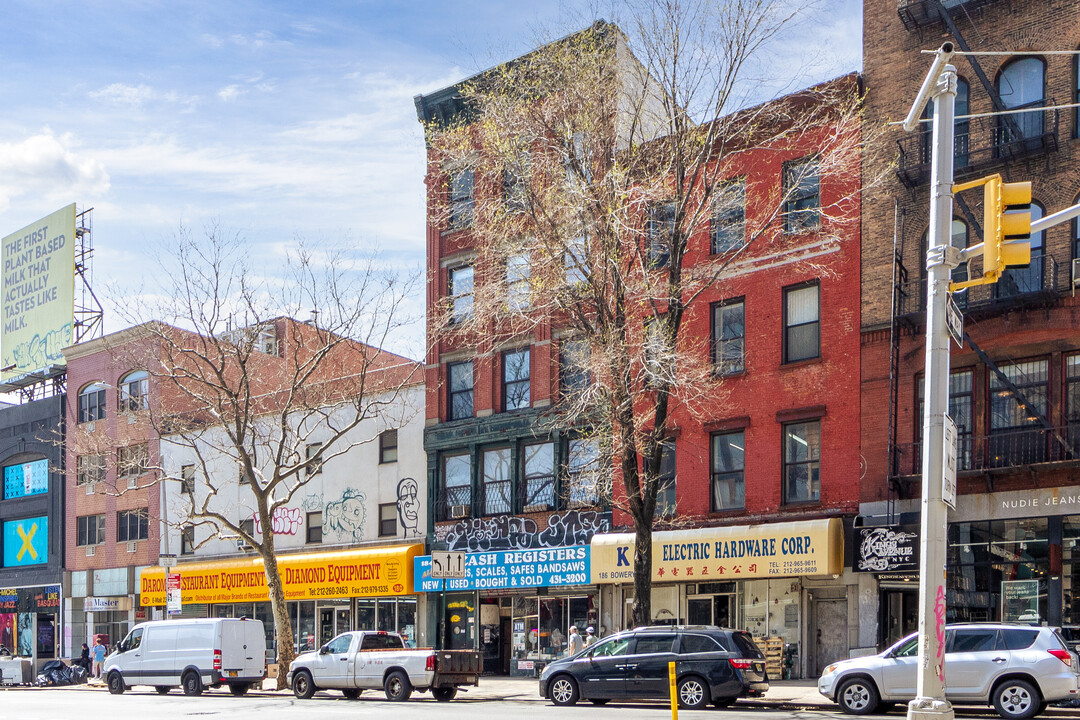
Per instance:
x=277, y=119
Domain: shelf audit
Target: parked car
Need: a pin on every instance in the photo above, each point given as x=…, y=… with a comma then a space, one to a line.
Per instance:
x=712, y=664
x=1019, y=669
x=193, y=654
x=367, y=660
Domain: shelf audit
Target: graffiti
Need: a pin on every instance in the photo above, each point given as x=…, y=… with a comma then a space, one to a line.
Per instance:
x=39, y=351
x=939, y=624
x=519, y=533
x=312, y=503
x=285, y=521
x=408, y=507
x=345, y=517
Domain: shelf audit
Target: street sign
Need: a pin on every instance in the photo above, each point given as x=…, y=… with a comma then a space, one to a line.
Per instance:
x=955, y=320
x=948, y=466
x=167, y=560
x=173, y=597
x=447, y=565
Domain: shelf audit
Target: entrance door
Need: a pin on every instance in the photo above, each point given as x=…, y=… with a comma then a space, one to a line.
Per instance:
x=326, y=625
x=830, y=634
x=716, y=610
x=900, y=616
x=699, y=611
x=341, y=621
x=724, y=610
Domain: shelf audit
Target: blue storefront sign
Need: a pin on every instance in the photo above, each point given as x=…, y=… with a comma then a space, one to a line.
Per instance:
x=24, y=479
x=26, y=542
x=548, y=567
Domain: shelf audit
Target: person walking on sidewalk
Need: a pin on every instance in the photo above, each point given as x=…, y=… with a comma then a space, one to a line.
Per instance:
x=590, y=638
x=99, y=657
x=576, y=643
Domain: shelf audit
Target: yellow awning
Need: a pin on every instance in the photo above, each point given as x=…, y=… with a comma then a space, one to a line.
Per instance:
x=342, y=574
x=741, y=552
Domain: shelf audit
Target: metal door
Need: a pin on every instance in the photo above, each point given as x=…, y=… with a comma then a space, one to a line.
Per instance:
x=829, y=640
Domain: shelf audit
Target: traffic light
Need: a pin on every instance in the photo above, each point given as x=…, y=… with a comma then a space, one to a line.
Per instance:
x=1006, y=226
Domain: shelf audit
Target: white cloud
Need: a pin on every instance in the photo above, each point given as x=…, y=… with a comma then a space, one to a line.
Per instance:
x=133, y=96
x=46, y=166
x=230, y=93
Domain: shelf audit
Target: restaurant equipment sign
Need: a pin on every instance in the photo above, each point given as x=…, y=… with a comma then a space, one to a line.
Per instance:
x=887, y=549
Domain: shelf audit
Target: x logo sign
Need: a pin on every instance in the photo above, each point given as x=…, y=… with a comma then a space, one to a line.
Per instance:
x=27, y=542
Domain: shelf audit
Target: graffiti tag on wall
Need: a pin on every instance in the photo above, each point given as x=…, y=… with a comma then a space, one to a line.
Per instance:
x=345, y=517
x=285, y=521
x=519, y=533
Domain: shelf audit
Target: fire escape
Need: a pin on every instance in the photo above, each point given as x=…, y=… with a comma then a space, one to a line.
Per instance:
x=1002, y=144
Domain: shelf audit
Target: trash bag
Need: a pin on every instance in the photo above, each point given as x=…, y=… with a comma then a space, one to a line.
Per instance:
x=55, y=672
x=79, y=674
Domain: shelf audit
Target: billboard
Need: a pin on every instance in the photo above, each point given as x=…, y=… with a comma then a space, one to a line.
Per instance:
x=38, y=293
x=30, y=478
x=26, y=542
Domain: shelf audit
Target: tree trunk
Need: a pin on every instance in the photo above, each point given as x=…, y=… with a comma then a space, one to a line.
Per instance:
x=642, y=608
x=283, y=629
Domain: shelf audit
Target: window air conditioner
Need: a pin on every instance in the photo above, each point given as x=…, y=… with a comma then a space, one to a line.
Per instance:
x=90, y=488
x=132, y=546
x=241, y=545
x=133, y=483
x=691, y=589
x=270, y=347
x=91, y=550
x=459, y=511
x=1076, y=272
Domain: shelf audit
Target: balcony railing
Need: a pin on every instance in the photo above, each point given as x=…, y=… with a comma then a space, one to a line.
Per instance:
x=1018, y=287
x=453, y=503
x=980, y=143
x=916, y=14
x=1012, y=447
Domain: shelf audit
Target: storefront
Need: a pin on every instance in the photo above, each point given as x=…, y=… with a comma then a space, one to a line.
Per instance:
x=30, y=622
x=326, y=593
x=516, y=606
x=784, y=583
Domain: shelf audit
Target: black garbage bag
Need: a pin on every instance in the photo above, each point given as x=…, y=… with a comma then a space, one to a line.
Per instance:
x=79, y=674
x=55, y=672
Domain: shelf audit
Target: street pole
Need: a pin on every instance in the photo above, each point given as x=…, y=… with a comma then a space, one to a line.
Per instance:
x=941, y=257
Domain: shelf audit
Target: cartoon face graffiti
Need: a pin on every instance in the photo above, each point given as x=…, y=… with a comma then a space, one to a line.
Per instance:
x=346, y=516
x=408, y=506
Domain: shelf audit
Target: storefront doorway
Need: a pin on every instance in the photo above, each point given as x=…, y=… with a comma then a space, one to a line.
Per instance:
x=829, y=643
x=712, y=609
x=333, y=621
x=899, y=614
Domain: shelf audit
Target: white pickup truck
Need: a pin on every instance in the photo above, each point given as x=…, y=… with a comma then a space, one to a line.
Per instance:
x=368, y=660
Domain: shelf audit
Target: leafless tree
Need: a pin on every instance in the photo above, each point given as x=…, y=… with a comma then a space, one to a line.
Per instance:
x=598, y=161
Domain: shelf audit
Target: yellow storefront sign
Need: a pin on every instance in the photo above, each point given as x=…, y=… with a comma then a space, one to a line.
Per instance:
x=343, y=574
x=791, y=549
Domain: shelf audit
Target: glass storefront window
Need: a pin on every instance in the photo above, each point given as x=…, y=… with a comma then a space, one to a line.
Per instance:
x=365, y=615
x=406, y=618
x=998, y=571
x=553, y=628
x=525, y=628
x=305, y=626
x=387, y=616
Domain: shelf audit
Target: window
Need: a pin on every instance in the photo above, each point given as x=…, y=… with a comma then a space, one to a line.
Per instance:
x=131, y=525
x=573, y=366
x=242, y=475
x=729, y=336
x=314, y=528
x=461, y=199
x=973, y=640
x=339, y=645
x=1022, y=280
x=459, y=285
x=187, y=540
x=497, y=480
x=961, y=128
x=1021, y=84
x=90, y=530
x=802, y=323
x=248, y=527
x=658, y=351
x=653, y=644
x=135, y=391
x=517, y=282
x=665, y=494
x=539, y=477
x=1072, y=400
x=613, y=647
x=187, y=479
x=516, y=379
x=461, y=390
x=311, y=451
x=961, y=401
x=698, y=644
x=577, y=159
x=802, y=196
x=388, y=520
x=387, y=446
x=661, y=228
x=92, y=402
x=728, y=468
x=515, y=182
x=574, y=259
x=1017, y=639
x=729, y=217
x=1076, y=224
x=802, y=462
x=132, y=460
x=89, y=469
x=1076, y=97
x=457, y=484
x=1016, y=434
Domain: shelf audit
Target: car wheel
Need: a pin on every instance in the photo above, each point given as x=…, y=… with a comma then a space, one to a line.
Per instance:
x=600, y=701
x=444, y=694
x=858, y=696
x=116, y=683
x=693, y=692
x=1016, y=700
x=303, y=686
x=564, y=691
x=397, y=687
x=724, y=702
x=162, y=689
x=239, y=688
x=192, y=683
x=351, y=693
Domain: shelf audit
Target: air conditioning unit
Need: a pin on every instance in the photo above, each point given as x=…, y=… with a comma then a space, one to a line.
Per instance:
x=241, y=545
x=133, y=482
x=90, y=488
x=133, y=546
x=91, y=550
x=270, y=347
x=691, y=589
x=132, y=419
x=459, y=511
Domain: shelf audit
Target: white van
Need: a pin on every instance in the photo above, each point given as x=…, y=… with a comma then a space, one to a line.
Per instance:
x=192, y=654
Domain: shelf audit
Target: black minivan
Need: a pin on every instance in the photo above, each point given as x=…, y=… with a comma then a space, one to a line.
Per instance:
x=712, y=664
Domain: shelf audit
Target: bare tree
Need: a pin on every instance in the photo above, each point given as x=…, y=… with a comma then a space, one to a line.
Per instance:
x=596, y=170
x=243, y=388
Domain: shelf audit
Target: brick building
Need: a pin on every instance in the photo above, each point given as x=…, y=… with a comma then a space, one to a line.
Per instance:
x=1013, y=391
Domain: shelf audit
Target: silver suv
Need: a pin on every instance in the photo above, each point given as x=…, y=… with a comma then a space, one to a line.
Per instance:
x=1019, y=669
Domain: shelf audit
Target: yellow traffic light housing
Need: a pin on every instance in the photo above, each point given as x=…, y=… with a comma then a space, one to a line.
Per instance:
x=1006, y=227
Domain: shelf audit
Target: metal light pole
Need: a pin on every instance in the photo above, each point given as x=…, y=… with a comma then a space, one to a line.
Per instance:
x=941, y=257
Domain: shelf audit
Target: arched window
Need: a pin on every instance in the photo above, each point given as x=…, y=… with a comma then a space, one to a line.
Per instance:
x=1022, y=84
x=135, y=391
x=92, y=402
x=1021, y=280
x=961, y=128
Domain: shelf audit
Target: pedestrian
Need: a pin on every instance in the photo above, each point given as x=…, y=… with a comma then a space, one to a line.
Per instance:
x=99, y=657
x=590, y=636
x=84, y=658
x=576, y=643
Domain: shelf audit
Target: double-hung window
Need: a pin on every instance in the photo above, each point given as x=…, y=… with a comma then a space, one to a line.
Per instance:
x=459, y=285
x=135, y=391
x=802, y=462
x=89, y=469
x=92, y=402
x=1016, y=433
x=460, y=380
x=802, y=195
x=574, y=259
x=666, y=479
x=539, y=477
x=729, y=217
x=498, y=493
x=90, y=530
x=131, y=525
x=573, y=366
x=729, y=336
x=516, y=379
x=388, y=447
x=661, y=228
x=461, y=199
x=517, y=282
x=583, y=472
x=457, y=486
x=802, y=322
x=132, y=460
x=728, y=470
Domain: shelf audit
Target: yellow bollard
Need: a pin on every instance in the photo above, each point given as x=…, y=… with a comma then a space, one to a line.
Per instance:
x=674, y=692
